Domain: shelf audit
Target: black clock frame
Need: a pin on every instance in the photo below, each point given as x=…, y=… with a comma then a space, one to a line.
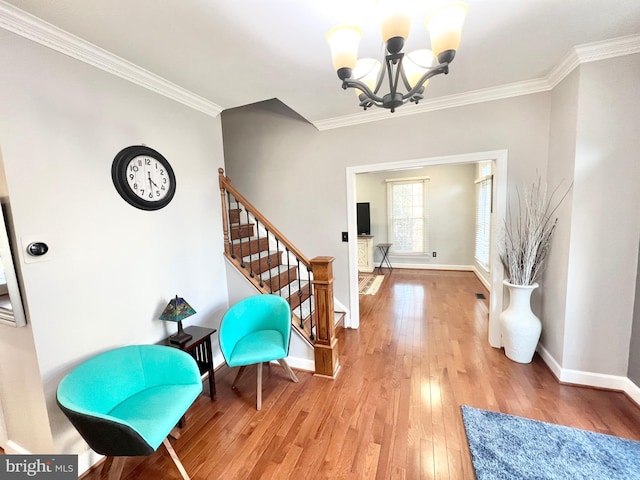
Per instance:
x=119, y=177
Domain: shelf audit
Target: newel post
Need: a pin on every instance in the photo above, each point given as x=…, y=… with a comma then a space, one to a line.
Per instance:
x=225, y=215
x=326, y=345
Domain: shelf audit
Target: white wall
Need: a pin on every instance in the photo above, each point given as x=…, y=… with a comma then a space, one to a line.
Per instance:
x=451, y=209
x=111, y=268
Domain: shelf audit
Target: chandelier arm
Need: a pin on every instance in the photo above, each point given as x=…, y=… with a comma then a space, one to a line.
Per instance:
x=352, y=83
x=379, y=81
x=368, y=103
x=432, y=72
x=407, y=85
x=393, y=79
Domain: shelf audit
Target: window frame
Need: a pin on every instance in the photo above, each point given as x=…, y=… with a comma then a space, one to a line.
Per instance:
x=483, y=216
x=391, y=182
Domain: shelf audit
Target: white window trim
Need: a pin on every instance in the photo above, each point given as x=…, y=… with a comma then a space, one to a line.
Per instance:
x=427, y=202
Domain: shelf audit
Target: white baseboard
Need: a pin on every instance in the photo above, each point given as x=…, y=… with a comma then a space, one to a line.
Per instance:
x=87, y=460
x=338, y=306
x=12, y=448
x=550, y=361
x=432, y=266
x=457, y=268
x=590, y=379
x=483, y=280
x=302, y=364
x=633, y=391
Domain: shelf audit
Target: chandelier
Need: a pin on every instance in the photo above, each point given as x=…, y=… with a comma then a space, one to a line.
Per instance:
x=408, y=73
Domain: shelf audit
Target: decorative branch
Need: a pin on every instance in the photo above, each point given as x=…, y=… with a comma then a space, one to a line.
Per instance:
x=527, y=238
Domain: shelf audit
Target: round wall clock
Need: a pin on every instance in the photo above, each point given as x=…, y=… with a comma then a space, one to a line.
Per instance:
x=143, y=177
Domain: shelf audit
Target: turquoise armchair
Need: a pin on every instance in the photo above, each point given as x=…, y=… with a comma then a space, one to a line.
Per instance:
x=254, y=331
x=125, y=402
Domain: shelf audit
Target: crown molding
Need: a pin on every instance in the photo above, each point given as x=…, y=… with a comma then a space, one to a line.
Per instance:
x=28, y=26
x=616, y=47
x=590, y=52
x=593, y=52
x=440, y=103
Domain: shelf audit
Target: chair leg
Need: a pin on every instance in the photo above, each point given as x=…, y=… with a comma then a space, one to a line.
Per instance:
x=115, y=470
x=176, y=460
x=238, y=375
x=259, y=388
x=287, y=368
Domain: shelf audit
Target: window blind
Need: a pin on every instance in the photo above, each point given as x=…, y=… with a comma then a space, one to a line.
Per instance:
x=408, y=214
x=484, y=189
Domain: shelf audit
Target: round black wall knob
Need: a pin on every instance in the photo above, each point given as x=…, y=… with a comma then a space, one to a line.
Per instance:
x=37, y=249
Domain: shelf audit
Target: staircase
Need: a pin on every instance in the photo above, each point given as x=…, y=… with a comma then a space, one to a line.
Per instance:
x=274, y=265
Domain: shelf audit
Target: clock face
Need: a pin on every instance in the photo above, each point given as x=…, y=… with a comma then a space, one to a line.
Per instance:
x=143, y=177
x=148, y=178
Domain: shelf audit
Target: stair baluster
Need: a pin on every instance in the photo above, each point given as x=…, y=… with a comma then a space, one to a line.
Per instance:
x=311, y=303
x=308, y=310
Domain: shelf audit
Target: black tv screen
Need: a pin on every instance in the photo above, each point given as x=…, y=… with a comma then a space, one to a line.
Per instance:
x=364, y=219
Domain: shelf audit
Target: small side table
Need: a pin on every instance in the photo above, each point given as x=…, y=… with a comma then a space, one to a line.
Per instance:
x=384, y=249
x=199, y=347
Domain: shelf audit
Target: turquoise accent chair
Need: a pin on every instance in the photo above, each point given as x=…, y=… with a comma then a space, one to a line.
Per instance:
x=125, y=402
x=254, y=331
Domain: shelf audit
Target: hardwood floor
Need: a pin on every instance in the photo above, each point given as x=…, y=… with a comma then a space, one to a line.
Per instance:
x=394, y=410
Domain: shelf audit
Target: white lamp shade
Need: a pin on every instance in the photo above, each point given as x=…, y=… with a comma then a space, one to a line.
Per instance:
x=416, y=65
x=395, y=24
x=395, y=20
x=445, y=27
x=367, y=70
x=344, y=41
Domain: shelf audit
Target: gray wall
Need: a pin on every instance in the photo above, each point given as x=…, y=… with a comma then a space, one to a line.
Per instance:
x=634, y=347
x=560, y=172
x=589, y=287
x=111, y=268
x=605, y=225
x=451, y=199
x=296, y=174
x=584, y=131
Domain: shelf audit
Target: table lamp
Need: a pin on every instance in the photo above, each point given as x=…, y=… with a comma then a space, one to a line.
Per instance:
x=177, y=310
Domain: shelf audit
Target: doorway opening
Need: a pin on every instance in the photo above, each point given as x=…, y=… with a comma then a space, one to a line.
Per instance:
x=499, y=190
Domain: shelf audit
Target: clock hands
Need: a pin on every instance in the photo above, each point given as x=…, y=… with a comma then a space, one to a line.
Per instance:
x=151, y=182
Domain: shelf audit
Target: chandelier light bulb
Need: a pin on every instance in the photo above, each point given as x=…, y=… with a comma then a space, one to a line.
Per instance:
x=445, y=29
x=344, y=41
x=367, y=70
x=416, y=64
x=406, y=75
x=395, y=28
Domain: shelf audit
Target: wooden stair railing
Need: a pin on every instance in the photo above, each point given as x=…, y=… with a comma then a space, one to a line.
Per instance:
x=274, y=265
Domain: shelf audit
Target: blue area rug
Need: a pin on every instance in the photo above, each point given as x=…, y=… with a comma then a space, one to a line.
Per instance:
x=513, y=448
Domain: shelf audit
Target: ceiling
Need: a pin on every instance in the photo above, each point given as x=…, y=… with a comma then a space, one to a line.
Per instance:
x=235, y=53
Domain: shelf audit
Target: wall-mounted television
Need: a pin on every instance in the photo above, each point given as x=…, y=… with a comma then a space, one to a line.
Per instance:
x=364, y=218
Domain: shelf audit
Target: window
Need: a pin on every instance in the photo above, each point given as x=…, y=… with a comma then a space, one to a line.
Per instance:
x=484, y=190
x=407, y=211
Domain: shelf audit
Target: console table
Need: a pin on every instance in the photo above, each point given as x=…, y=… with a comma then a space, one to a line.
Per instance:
x=199, y=347
x=365, y=253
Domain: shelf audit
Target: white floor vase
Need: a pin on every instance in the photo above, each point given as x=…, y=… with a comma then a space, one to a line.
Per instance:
x=521, y=328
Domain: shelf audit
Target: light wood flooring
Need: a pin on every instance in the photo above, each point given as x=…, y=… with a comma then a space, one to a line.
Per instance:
x=394, y=410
